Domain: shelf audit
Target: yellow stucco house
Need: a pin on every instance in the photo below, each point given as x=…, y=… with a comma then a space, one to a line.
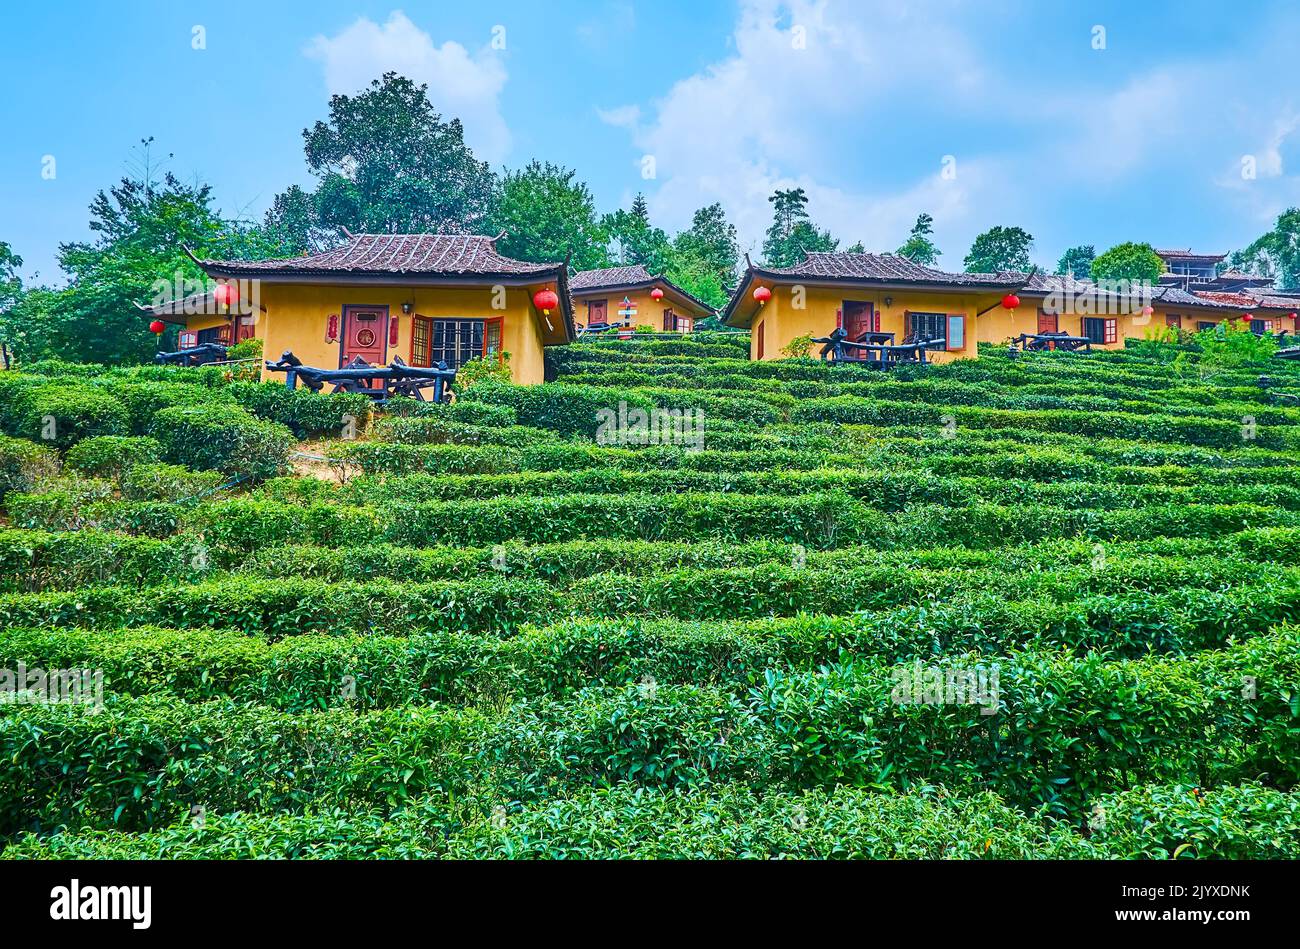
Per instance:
x=427, y=298
x=632, y=296
x=889, y=298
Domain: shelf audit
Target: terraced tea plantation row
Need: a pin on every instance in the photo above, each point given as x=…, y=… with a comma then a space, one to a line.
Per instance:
x=1032, y=607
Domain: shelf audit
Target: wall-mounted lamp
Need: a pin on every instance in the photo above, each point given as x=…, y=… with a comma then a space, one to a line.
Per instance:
x=889, y=301
x=408, y=307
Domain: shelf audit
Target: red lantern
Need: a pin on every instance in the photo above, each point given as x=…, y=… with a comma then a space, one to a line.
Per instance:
x=762, y=295
x=656, y=294
x=156, y=327
x=1010, y=301
x=546, y=301
x=225, y=294
x=1247, y=317
x=1148, y=310
x=1292, y=315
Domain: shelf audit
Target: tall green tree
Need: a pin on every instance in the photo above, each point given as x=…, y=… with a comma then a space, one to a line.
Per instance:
x=386, y=162
x=547, y=214
x=919, y=246
x=1000, y=248
x=792, y=233
x=1275, y=254
x=1077, y=261
x=634, y=240
x=1128, y=261
x=711, y=239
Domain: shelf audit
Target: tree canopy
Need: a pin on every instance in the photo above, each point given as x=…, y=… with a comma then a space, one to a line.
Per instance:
x=1077, y=261
x=1275, y=254
x=1128, y=261
x=792, y=233
x=1000, y=248
x=919, y=246
x=634, y=240
x=386, y=162
x=547, y=215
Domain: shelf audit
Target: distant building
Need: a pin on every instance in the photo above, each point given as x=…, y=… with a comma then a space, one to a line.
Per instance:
x=1192, y=272
x=632, y=296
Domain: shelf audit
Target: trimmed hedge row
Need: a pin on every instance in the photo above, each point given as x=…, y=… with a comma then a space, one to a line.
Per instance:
x=730, y=822
x=148, y=762
x=277, y=608
x=393, y=670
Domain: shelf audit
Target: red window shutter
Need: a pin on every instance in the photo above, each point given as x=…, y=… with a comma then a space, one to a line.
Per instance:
x=1111, y=332
x=760, y=340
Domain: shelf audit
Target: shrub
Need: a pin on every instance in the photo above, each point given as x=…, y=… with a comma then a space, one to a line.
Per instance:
x=108, y=456
x=62, y=415
x=1245, y=822
x=309, y=414
x=566, y=409
x=223, y=438
x=23, y=464
x=159, y=482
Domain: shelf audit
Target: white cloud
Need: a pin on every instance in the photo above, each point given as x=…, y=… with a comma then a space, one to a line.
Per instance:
x=766, y=116
x=623, y=116
x=1029, y=140
x=461, y=85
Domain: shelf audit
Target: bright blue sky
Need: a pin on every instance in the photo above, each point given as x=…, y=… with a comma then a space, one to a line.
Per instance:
x=858, y=102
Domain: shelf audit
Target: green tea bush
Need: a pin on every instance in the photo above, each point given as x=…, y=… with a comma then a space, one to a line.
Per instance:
x=23, y=464
x=61, y=415
x=108, y=456
x=161, y=482
x=1241, y=822
x=308, y=414
x=223, y=438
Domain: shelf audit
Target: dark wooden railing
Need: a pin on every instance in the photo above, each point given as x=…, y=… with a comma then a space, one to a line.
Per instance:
x=381, y=383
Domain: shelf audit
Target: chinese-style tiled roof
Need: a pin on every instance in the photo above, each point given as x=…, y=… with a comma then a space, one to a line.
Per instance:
x=629, y=277
x=609, y=277
x=458, y=255
x=881, y=268
x=1274, y=299
x=1249, y=301
x=1176, y=296
x=1187, y=255
x=1233, y=275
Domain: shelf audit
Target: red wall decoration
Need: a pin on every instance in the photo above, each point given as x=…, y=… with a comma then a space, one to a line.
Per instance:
x=332, y=328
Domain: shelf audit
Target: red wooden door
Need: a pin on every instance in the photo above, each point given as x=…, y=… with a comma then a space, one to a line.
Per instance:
x=670, y=321
x=859, y=318
x=597, y=312
x=365, y=334
x=1047, y=322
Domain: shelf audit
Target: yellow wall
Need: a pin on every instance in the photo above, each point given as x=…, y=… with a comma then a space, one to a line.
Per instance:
x=297, y=315
x=784, y=319
x=649, y=312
